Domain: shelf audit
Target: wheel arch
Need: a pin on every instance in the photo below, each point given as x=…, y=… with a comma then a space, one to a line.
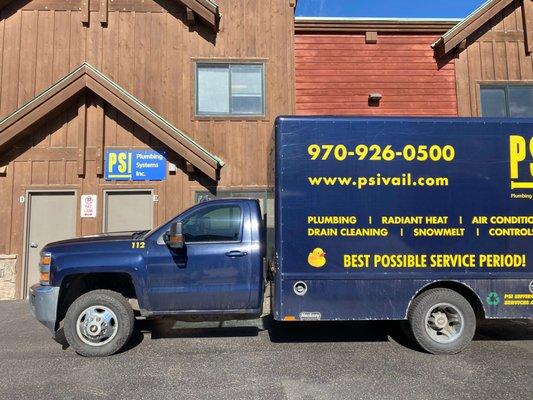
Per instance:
x=75, y=285
x=457, y=286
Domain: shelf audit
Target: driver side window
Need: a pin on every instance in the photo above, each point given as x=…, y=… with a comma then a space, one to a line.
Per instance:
x=217, y=224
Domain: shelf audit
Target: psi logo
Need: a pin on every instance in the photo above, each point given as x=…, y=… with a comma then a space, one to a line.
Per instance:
x=317, y=258
x=521, y=158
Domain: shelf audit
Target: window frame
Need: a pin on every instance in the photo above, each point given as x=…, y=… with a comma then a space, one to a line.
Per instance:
x=500, y=85
x=197, y=63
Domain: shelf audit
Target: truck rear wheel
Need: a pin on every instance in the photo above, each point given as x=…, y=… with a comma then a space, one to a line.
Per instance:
x=99, y=323
x=442, y=321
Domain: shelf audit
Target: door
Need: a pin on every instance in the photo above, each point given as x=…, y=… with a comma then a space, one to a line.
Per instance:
x=212, y=271
x=51, y=217
x=128, y=210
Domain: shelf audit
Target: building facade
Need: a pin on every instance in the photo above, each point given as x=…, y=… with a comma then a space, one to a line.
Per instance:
x=116, y=115
x=354, y=66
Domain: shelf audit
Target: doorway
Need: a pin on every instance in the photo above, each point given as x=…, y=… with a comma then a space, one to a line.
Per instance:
x=51, y=216
x=128, y=210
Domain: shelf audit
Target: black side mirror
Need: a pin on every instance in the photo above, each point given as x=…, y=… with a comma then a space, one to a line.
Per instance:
x=174, y=237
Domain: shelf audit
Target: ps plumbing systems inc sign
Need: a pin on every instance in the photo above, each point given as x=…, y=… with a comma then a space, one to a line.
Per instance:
x=135, y=165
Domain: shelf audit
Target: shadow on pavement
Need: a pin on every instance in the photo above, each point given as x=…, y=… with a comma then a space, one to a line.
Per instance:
x=310, y=332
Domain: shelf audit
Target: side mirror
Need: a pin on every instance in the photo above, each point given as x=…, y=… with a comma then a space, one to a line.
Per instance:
x=174, y=237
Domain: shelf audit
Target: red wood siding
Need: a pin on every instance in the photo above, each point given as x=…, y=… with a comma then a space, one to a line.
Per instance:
x=336, y=73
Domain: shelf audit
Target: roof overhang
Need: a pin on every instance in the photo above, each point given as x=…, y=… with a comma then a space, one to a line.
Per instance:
x=468, y=26
x=207, y=10
x=407, y=25
x=87, y=78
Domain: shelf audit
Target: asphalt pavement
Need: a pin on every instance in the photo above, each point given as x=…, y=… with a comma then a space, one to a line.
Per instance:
x=264, y=360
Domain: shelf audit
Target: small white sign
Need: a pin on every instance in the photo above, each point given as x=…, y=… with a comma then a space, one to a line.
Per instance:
x=88, y=206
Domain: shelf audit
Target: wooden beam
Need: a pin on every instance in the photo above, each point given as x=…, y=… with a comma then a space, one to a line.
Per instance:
x=371, y=37
x=209, y=5
x=190, y=17
x=527, y=14
x=209, y=16
x=104, y=12
x=85, y=13
x=100, y=135
x=82, y=133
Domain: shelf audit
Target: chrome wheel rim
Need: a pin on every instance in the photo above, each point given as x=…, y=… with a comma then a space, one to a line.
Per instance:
x=97, y=325
x=444, y=323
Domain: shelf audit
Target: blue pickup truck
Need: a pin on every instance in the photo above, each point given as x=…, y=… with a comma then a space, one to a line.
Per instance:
x=424, y=220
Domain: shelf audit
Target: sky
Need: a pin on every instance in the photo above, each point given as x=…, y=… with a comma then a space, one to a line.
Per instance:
x=387, y=8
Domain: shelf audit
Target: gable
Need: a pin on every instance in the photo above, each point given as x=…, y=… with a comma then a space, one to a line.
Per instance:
x=457, y=36
x=206, y=10
x=87, y=78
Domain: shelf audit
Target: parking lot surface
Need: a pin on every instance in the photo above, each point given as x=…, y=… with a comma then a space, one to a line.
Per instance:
x=264, y=360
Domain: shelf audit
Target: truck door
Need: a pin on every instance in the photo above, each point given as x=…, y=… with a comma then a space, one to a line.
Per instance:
x=212, y=271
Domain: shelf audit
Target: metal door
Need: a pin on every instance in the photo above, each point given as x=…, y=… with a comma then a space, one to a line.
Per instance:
x=51, y=217
x=128, y=210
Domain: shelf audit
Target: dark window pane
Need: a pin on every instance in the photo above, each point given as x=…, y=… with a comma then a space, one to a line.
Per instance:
x=493, y=102
x=521, y=101
x=213, y=89
x=219, y=224
x=247, y=105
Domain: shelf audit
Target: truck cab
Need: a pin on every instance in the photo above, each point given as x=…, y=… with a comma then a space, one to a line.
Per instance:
x=208, y=260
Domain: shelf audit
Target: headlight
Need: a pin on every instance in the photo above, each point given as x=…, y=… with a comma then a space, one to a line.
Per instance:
x=44, y=268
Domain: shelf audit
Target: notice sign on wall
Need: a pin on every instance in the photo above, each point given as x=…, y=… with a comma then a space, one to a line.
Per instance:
x=88, y=206
x=135, y=165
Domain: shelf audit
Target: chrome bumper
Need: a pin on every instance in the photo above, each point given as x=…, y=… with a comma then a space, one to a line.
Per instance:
x=43, y=304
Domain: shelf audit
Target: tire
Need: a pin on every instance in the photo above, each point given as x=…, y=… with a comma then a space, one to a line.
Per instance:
x=441, y=321
x=103, y=313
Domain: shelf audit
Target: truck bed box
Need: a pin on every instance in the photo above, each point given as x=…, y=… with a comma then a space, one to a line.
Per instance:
x=372, y=211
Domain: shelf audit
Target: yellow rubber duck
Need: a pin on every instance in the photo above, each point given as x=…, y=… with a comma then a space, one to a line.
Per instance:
x=317, y=258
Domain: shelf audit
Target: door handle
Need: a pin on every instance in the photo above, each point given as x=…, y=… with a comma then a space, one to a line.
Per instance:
x=236, y=253
x=34, y=245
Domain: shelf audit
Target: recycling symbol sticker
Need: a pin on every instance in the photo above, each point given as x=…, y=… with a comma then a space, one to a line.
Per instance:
x=493, y=299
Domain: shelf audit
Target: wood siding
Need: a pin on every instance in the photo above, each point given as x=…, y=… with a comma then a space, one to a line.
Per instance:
x=497, y=53
x=335, y=73
x=150, y=50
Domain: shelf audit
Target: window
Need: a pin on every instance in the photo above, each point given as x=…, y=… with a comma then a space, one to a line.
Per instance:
x=217, y=224
x=507, y=100
x=229, y=89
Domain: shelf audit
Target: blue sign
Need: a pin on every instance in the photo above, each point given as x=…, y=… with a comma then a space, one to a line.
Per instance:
x=135, y=165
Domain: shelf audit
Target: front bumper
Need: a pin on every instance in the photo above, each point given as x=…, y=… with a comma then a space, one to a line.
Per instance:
x=43, y=304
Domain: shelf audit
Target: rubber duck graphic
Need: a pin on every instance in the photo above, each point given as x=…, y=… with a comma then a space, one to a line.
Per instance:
x=317, y=258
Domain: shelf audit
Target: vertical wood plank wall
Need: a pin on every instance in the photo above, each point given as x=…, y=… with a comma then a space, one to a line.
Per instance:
x=496, y=53
x=149, y=51
x=335, y=73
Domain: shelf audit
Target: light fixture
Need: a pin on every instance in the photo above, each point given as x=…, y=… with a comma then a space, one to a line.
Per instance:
x=374, y=97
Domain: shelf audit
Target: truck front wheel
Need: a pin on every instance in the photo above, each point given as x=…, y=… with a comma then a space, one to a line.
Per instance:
x=442, y=321
x=99, y=323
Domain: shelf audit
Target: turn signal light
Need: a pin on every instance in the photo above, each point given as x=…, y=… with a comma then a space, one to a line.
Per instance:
x=45, y=277
x=46, y=259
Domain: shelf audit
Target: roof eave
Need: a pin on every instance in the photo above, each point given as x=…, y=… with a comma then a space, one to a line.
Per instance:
x=87, y=77
x=408, y=25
